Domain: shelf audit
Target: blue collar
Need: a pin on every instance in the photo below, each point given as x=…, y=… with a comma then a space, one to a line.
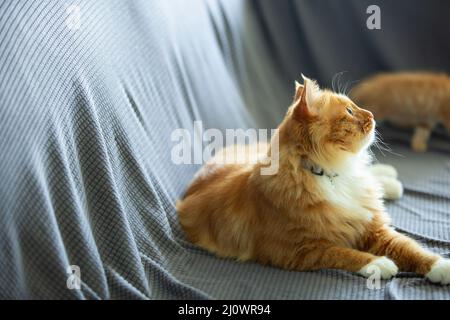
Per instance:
x=317, y=170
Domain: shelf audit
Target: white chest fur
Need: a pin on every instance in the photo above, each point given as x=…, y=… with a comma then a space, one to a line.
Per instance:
x=353, y=193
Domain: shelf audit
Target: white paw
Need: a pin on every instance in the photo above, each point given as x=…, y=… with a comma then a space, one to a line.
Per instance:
x=385, y=170
x=383, y=266
x=440, y=272
x=393, y=189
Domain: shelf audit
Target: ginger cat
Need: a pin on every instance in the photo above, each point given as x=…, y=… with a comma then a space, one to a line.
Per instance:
x=418, y=100
x=322, y=209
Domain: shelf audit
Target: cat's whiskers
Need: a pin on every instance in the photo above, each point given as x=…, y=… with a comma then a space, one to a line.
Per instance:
x=350, y=86
x=383, y=146
x=336, y=80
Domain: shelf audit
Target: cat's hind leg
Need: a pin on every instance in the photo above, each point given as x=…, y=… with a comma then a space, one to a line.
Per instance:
x=387, y=176
x=384, y=170
x=419, y=142
x=392, y=188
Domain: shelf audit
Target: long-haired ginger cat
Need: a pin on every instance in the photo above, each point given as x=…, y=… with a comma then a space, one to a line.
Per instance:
x=419, y=100
x=322, y=209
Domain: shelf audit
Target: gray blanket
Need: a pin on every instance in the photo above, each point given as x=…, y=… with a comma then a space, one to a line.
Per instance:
x=90, y=92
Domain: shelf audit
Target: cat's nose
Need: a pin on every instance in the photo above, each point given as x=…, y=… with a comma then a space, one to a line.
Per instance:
x=369, y=115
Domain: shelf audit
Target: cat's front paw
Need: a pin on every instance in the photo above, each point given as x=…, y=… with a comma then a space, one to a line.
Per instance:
x=440, y=272
x=383, y=266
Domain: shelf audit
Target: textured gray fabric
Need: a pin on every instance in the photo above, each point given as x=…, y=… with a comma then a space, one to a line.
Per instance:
x=86, y=177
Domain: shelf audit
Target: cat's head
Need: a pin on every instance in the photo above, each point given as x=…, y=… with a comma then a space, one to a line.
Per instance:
x=325, y=125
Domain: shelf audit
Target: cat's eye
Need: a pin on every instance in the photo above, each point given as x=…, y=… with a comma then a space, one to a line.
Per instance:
x=349, y=110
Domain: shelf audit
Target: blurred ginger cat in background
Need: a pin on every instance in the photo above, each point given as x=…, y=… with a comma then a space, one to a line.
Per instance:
x=324, y=207
x=419, y=100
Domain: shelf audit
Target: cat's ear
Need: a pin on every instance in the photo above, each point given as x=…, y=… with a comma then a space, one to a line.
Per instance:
x=304, y=98
x=313, y=92
x=301, y=110
x=298, y=91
